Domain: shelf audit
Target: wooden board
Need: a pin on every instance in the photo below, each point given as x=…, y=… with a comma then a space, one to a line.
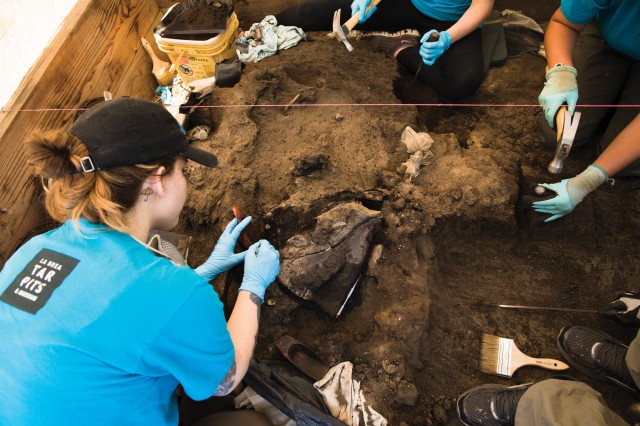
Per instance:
x=97, y=49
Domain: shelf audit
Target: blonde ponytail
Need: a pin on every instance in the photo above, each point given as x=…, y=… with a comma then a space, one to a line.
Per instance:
x=99, y=196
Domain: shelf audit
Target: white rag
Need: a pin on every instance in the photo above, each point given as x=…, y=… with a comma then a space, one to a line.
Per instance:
x=345, y=399
x=418, y=145
x=274, y=37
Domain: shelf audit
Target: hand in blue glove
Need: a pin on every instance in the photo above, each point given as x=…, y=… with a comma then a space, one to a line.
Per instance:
x=558, y=206
x=361, y=6
x=432, y=50
x=561, y=87
x=261, y=267
x=223, y=258
x=570, y=192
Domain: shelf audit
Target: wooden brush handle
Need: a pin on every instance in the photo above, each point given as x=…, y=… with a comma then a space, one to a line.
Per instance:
x=158, y=63
x=519, y=359
x=353, y=21
x=548, y=363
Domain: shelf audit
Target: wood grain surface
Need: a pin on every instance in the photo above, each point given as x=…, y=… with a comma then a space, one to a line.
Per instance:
x=97, y=49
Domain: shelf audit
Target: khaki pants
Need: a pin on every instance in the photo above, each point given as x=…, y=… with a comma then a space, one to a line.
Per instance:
x=564, y=403
x=633, y=359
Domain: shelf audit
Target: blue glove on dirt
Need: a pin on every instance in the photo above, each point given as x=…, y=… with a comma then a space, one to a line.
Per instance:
x=570, y=192
x=361, y=6
x=222, y=257
x=432, y=50
x=561, y=87
x=261, y=267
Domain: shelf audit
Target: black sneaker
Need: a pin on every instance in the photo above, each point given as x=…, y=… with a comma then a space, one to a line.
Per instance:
x=391, y=46
x=490, y=405
x=597, y=355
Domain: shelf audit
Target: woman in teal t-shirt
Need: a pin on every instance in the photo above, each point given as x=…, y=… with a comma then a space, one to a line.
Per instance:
x=452, y=65
x=96, y=328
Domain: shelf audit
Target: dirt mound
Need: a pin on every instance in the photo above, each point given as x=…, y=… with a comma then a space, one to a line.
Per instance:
x=451, y=244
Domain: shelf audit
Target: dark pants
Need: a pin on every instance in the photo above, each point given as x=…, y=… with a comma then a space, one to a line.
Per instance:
x=605, y=77
x=217, y=411
x=455, y=75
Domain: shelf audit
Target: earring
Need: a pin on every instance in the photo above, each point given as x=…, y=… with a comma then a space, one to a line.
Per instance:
x=146, y=192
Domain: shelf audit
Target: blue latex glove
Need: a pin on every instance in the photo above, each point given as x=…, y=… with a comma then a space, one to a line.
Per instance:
x=261, y=267
x=222, y=257
x=561, y=87
x=431, y=51
x=570, y=192
x=558, y=206
x=361, y=6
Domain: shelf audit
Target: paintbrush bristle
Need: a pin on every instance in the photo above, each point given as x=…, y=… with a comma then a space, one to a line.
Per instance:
x=490, y=357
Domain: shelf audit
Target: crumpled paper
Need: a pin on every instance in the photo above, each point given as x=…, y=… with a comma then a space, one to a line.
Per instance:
x=418, y=144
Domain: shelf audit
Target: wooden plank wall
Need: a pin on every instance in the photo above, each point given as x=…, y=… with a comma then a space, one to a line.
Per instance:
x=97, y=49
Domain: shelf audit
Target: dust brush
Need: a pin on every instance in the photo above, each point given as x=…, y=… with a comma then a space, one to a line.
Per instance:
x=501, y=356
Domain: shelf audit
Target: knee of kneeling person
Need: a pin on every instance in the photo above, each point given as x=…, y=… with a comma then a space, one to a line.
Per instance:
x=460, y=86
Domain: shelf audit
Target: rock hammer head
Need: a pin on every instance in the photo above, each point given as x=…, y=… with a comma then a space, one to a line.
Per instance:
x=567, y=127
x=338, y=33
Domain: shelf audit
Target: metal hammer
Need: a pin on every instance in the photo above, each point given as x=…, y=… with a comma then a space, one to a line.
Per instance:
x=340, y=32
x=567, y=128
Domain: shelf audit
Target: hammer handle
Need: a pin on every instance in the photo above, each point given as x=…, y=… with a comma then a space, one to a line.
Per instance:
x=560, y=122
x=354, y=19
x=561, y=149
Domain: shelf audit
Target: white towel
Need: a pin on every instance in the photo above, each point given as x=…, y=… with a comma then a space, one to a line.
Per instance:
x=274, y=37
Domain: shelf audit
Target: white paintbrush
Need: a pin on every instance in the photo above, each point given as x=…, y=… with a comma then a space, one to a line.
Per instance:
x=501, y=356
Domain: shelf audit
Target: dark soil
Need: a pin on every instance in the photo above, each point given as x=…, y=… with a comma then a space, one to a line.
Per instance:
x=197, y=23
x=456, y=241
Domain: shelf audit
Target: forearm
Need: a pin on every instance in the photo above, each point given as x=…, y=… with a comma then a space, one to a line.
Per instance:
x=243, y=328
x=560, y=39
x=624, y=149
x=471, y=20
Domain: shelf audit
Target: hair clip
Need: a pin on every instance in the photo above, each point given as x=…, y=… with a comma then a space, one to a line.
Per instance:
x=87, y=164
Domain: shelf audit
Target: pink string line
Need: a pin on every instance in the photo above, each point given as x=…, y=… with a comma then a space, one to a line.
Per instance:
x=447, y=105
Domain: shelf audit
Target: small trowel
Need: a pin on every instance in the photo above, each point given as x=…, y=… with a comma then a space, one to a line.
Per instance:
x=567, y=128
x=340, y=32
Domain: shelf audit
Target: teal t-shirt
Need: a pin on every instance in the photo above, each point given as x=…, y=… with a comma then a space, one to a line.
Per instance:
x=97, y=330
x=619, y=21
x=443, y=10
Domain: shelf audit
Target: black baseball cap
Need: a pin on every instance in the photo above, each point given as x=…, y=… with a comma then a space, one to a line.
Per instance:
x=129, y=131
